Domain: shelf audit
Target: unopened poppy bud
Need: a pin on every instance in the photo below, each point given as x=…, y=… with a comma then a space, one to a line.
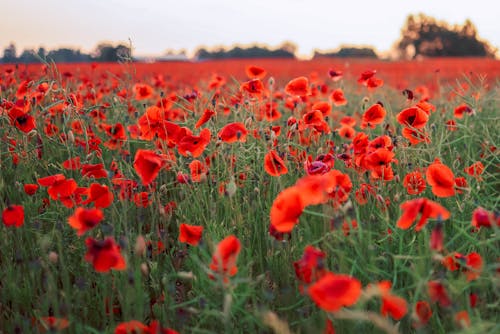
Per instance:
x=140, y=246
x=71, y=136
x=144, y=269
x=271, y=82
x=53, y=257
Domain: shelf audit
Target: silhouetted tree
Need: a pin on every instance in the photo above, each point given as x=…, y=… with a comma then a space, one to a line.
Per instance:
x=65, y=55
x=10, y=54
x=286, y=50
x=348, y=52
x=108, y=53
x=424, y=35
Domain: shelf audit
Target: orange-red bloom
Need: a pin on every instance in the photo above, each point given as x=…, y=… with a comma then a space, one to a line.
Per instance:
x=194, y=145
x=427, y=208
x=30, y=189
x=298, y=87
x=147, y=164
x=286, y=209
x=338, y=97
x=207, y=115
x=413, y=117
x=274, y=165
x=441, y=179
x=190, y=234
x=423, y=312
x=84, y=220
x=311, y=266
x=373, y=115
x=484, y=218
x=438, y=293
x=100, y=195
x=414, y=183
x=13, y=215
x=255, y=72
x=104, y=255
x=334, y=291
x=233, y=132
x=225, y=257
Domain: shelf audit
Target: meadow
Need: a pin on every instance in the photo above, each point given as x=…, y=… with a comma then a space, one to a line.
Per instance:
x=250, y=196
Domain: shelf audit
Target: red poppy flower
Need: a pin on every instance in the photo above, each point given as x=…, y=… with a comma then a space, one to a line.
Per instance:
x=21, y=119
x=100, y=195
x=233, y=132
x=72, y=164
x=207, y=115
x=274, y=165
x=190, y=234
x=334, y=291
x=84, y=220
x=96, y=171
x=423, y=312
x=198, y=171
x=476, y=169
x=311, y=266
x=441, y=179
x=334, y=74
x=104, y=255
x=438, y=293
x=132, y=327
x=255, y=72
x=462, y=319
x=373, y=115
x=414, y=183
x=427, y=208
x=346, y=132
x=143, y=92
x=298, y=87
x=484, y=218
x=413, y=117
x=147, y=165
x=13, y=215
x=436, y=240
x=338, y=97
x=195, y=145
x=363, y=78
x=225, y=257
x=30, y=189
x=254, y=87
x=461, y=110
x=286, y=209
x=322, y=106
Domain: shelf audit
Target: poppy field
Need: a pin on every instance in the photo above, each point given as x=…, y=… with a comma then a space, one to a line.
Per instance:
x=250, y=196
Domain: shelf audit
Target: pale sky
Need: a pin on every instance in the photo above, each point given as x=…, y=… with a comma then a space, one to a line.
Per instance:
x=155, y=26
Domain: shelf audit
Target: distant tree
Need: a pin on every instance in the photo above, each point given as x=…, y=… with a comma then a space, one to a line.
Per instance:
x=105, y=52
x=10, y=54
x=28, y=56
x=286, y=50
x=66, y=55
x=348, y=52
x=42, y=53
x=423, y=35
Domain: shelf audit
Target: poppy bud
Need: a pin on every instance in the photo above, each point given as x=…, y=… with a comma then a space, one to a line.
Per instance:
x=436, y=242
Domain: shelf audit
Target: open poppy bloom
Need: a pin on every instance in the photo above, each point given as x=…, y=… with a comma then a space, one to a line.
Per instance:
x=225, y=257
x=441, y=179
x=205, y=117
x=334, y=291
x=427, y=208
x=30, y=189
x=473, y=264
x=147, y=164
x=255, y=72
x=392, y=305
x=414, y=183
x=253, y=87
x=131, y=327
x=413, y=117
x=484, y=218
x=233, y=132
x=373, y=115
x=286, y=209
x=194, y=145
x=298, y=87
x=190, y=234
x=84, y=220
x=274, y=165
x=438, y=293
x=143, y=92
x=423, y=312
x=338, y=97
x=310, y=267
x=104, y=255
x=100, y=195
x=13, y=215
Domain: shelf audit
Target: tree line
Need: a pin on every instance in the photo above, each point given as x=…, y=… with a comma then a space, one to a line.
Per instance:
x=421, y=35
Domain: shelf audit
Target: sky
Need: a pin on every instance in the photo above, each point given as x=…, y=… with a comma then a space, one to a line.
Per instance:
x=153, y=26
